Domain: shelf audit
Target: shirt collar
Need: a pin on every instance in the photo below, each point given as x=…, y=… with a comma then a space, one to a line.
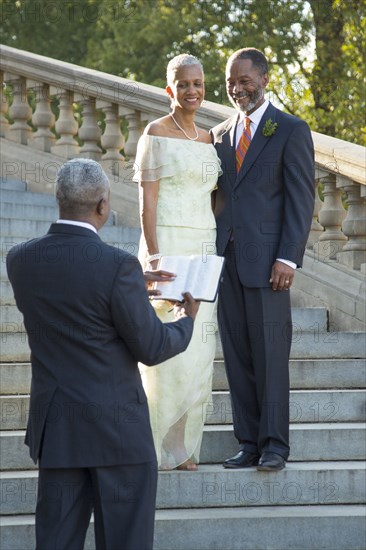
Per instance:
x=79, y=224
x=256, y=115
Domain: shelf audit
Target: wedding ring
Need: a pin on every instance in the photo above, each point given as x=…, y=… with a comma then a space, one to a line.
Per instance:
x=287, y=282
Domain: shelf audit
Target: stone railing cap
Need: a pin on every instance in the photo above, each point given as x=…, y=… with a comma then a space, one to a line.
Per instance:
x=337, y=156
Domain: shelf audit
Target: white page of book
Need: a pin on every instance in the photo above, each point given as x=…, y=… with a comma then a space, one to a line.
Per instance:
x=202, y=276
x=180, y=267
x=198, y=275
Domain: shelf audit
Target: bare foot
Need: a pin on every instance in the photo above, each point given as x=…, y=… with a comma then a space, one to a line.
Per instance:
x=188, y=465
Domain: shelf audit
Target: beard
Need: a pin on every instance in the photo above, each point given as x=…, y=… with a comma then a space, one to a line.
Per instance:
x=254, y=98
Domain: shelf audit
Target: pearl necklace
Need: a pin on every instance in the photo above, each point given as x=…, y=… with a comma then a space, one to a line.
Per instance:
x=182, y=130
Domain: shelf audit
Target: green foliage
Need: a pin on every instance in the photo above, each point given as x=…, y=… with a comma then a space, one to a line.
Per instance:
x=59, y=29
x=314, y=47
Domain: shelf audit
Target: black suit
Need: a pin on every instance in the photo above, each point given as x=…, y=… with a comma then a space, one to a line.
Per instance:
x=263, y=213
x=89, y=322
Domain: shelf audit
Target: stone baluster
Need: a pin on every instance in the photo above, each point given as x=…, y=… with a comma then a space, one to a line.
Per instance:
x=353, y=254
x=146, y=118
x=89, y=131
x=4, y=124
x=331, y=216
x=20, y=111
x=112, y=139
x=134, y=130
x=43, y=118
x=316, y=229
x=66, y=126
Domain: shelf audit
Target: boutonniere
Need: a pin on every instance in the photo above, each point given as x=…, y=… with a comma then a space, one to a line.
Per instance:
x=269, y=128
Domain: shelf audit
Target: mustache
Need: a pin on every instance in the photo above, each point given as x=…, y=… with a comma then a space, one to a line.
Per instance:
x=241, y=96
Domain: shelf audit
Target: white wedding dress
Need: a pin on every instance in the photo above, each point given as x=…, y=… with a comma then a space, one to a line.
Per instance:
x=179, y=389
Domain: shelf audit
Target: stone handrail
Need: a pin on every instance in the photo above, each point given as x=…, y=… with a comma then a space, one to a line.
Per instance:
x=337, y=233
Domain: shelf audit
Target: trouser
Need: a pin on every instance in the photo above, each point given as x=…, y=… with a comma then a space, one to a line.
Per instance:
x=121, y=497
x=255, y=329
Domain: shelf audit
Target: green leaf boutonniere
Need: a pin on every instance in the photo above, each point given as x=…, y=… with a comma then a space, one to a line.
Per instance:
x=269, y=128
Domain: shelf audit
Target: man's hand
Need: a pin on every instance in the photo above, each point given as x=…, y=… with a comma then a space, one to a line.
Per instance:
x=158, y=276
x=282, y=276
x=189, y=307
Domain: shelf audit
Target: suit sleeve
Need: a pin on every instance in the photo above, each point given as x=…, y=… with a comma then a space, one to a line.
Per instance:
x=299, y=193
x=148, y=339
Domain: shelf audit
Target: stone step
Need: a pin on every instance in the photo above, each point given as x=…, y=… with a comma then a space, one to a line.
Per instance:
x=15, y=378
x=323, y=527
x=308, y=406
x=300, y=484
x=34, y=211
x=309, y=319
x=322, y=345
x=326, y=527
x=325, y=345
x=14, y=454
x=12, y=184
x=11, y=318
x=16, y=231
x=28, y=211
x=6, y=294
x=305, y=406
x=16, y=196
x=308, y=441
x=323, y=441
x=312, y=374
x=304, y=374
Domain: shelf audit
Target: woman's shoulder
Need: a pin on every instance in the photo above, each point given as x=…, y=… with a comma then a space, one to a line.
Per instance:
x=157, y=127
x=204, y=136
x=162, y=128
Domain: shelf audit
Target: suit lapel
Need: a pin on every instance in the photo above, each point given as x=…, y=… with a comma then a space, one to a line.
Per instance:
x=232, y=132
x=229, y=148
x=258, y=143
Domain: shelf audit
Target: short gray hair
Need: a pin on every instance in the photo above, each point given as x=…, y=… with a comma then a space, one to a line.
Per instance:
x=81, y=183
x=257, y=58
x=179, y=61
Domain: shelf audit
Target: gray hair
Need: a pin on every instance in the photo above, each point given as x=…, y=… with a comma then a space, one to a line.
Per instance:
x=257, y=58
x=81, y=183
x=182, y=60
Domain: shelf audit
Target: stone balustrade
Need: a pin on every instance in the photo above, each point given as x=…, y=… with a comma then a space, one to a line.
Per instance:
x=68, y=111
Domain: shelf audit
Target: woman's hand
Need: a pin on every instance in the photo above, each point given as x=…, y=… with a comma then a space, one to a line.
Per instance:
x=153, y=265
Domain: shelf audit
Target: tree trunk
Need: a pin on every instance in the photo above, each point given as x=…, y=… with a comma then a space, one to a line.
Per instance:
x=328, y=69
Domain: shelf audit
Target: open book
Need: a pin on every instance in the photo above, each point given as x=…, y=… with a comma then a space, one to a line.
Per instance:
x=200, y=275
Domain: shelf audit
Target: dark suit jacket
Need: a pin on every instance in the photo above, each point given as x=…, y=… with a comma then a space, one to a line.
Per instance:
x=89, y=322
x=269, y=204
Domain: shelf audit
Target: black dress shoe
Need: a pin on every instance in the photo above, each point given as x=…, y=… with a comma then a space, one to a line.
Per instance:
x=269, y=462
x=243, y=459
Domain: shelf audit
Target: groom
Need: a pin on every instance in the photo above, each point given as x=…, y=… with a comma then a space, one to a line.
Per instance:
x=264, y=206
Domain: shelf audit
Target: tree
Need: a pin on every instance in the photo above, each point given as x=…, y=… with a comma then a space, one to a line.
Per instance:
x=315, y=47
x=59, y=29
x=337, y=82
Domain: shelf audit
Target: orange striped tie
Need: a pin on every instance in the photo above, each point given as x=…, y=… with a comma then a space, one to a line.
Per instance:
x=243, y=145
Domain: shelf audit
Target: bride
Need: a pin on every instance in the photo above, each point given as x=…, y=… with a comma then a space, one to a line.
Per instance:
x=177, y=169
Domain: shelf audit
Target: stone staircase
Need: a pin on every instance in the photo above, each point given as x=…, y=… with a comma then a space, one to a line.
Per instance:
x=317, y=502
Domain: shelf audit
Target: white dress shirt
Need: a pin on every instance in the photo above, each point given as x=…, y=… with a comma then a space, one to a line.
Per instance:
x=80, y=224
x=255, y=118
